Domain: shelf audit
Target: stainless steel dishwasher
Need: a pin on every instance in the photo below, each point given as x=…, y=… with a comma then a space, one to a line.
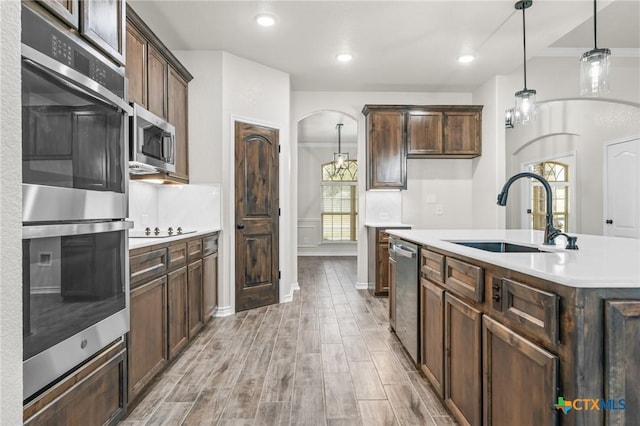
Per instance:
x=405, y=254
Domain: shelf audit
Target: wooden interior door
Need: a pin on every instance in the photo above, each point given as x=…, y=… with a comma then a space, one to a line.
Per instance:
x=256, y=205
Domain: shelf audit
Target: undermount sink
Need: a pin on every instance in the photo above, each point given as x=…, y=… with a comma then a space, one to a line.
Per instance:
x=499, y=247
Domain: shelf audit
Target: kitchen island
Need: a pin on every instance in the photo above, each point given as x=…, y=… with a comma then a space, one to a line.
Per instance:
x=530, y=338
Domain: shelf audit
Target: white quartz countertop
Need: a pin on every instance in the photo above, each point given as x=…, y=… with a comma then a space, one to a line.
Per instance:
x=387, y=225
x=600, y=261
x=135, y=243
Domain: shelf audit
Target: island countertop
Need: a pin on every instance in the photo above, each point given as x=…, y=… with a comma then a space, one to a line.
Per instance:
x=600, y=262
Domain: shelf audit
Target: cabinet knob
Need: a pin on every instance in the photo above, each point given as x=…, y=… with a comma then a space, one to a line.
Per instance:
x=609, y=221
x=240, y=226
x=496, y=297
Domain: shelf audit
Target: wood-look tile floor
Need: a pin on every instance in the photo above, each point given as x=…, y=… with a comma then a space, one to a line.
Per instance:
x=327, y=358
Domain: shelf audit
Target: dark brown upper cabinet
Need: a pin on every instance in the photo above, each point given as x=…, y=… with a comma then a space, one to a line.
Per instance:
x=103, y=24
x=424, y=132
x=68, y=11
x=398, y=132
x=386, y=149
x=159, y=82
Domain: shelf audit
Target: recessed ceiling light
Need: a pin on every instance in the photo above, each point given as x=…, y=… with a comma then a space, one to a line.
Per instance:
x=344, y=57
x=465, y=59
x=265, y=20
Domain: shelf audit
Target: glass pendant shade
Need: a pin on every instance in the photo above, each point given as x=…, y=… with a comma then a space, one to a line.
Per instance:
x=594, y=72
x=525, y=106
x=340, y=160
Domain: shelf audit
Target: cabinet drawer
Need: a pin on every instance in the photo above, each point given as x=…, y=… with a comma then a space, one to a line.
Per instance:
x=194, y=250
x=464, y=279
x=383, y=237
x=534, y=312
x=432, y=266
x=210, y=245
x=148, y=265
x=177, y=255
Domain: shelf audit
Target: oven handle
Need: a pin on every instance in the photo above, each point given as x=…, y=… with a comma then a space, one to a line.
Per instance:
x=69, y=76
x=62, y=229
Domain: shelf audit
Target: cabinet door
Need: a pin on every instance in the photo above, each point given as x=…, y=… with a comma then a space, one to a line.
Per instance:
x=424, y=133
x=177, y=311
x=209, y=285
x=136, y=70
x=157, y=82
x=622, y=364
x=66, y=10
x=103, y=24
x=178, y=104
x=520, y=379
x=432, y=341
x=91, y=395
x=382, y=268
x=147, y=341
x=462, y=133
x=386, y=150
x=196, y=319
x=392, y=293
x=462, y=388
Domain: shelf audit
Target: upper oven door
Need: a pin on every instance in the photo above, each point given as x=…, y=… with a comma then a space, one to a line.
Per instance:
x=74, y=144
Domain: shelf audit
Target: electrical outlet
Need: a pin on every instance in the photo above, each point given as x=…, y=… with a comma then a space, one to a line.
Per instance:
x=439, y=209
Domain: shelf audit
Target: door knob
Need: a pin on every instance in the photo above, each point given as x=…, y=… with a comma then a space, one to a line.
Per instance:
x=609, y=221
x=240, y=226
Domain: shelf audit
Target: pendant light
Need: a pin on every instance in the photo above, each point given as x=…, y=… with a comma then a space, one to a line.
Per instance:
x=340, y=159
x=526, y=98
x=594, y=66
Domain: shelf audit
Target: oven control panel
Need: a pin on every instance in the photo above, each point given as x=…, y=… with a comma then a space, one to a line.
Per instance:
x=69, y=49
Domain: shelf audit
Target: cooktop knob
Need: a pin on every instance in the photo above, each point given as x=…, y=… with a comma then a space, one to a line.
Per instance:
x=170, y=231
x=147, y=231
x=179, y=229
x=156, y=230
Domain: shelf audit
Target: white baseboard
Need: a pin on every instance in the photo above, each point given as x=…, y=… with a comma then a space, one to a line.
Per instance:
x=328, y=253
x=362, y=286
x=295, y=286
x=287, y=297
x=223, y=311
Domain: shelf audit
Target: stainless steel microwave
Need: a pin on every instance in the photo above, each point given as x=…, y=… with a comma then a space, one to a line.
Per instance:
x=152, y=147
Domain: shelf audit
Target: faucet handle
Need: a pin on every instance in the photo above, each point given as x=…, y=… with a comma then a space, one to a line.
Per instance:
x=571, y=243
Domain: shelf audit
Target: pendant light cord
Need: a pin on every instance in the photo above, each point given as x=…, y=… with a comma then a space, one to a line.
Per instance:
x=595, y=26
x=524, y=46
x=339, y=128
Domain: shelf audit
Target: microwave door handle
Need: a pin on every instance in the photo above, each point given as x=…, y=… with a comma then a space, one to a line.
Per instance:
x=171, y=144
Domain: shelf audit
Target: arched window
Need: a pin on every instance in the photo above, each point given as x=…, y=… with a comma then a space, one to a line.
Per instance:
x=558, y=176
x=340, y=202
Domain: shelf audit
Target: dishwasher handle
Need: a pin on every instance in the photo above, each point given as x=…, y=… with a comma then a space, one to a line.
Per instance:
x=401, y=251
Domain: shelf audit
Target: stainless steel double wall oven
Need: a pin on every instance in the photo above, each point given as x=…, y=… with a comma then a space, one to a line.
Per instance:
x=75, y=178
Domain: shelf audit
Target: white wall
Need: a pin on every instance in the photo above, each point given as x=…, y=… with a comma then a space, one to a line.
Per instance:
x=259, y=94
x=310, y=159
x=304, y=103
x=553, y=78
x=205, y=114
x=10, y=216
x=583, y=127
x=227, y=88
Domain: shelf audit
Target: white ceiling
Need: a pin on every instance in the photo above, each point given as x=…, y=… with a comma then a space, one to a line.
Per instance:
x=396, y=45
x=320, y=128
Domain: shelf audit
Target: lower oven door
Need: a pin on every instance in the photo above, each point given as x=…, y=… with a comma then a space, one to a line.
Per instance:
x=75, y=295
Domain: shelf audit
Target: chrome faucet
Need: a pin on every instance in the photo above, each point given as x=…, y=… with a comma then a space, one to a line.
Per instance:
x=550, y=232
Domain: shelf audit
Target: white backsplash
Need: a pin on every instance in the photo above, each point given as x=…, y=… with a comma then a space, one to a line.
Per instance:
x=189, y=206
x=384, y=207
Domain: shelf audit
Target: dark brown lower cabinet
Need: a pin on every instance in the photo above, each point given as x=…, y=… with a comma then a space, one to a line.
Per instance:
x=432, y=319
x=622, y=363
x=463, y=349
x=209, y=285
x=392, y=293
x=196, y=317
x=520, y=379
x=94, y=394
x=148, y=334
x=177, y=308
